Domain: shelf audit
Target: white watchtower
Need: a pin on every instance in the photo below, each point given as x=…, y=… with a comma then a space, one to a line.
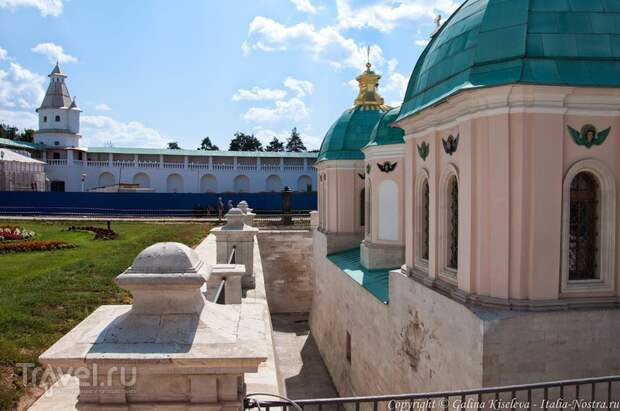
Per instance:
x=59, y=115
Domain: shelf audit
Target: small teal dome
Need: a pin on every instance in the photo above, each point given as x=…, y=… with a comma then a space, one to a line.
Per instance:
x=384, y=134
x=495, y=42
x=349, y=134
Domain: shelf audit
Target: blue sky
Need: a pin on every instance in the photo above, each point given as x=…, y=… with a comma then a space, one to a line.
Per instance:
x=146, y=72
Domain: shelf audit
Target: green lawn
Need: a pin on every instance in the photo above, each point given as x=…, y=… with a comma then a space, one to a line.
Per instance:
x=44, y=294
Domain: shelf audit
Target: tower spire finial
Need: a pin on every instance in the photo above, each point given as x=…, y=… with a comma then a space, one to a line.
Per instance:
x=368, y=65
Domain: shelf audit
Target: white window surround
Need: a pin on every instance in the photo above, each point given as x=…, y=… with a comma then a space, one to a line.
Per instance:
x=421, y=178
x=447, y=274
x=607, y=229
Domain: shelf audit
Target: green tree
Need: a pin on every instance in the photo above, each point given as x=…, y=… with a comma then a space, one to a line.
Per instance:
x=173, y=145
x=275, y=145
x=208, y=145
x=294, y=143
x=13, y=133
x=245, y=142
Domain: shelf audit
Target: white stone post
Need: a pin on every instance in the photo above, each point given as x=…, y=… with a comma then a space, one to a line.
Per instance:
x=247, y=212
x=240, y=236
x=314, y=220
x=171, y=349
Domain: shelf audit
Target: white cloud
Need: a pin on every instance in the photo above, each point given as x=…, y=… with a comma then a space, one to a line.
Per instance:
x=102, y=107
x=46, y=7
x=3, y=54
x=20, y=88
x=257, y=93
x=19, y=119
x=305, y=6
x=302, y=87
x=293, y=109
x=422, y=42
x=394, y=82
x=54, y=53
x=326, y=43
x=385, y=14
x=100, y=130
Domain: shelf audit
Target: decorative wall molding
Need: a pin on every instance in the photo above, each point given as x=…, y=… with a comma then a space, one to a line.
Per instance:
x=607, y=229
x=476, y=103
x=589, y=136
x=384, y=152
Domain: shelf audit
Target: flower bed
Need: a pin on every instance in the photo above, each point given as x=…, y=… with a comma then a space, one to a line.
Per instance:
x=11, y=232
x=100, y=233
x=33, y=245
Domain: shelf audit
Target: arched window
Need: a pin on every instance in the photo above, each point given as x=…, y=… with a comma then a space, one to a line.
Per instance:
x=584, y=228
x=588, y=228
x=368, y=207
x=143, y=180
x=453, y=224
x=422, y=220
x=449, y=225
x=363, y=207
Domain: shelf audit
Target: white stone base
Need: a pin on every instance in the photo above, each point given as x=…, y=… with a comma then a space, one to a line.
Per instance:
x=377, y=256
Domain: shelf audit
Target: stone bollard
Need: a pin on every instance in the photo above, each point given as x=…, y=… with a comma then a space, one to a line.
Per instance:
x=249, y=215
x=171, y=349
x=240, y=236
x=314, y=220
x=232, y=273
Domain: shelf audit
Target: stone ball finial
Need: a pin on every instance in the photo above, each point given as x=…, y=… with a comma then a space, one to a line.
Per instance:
x=234, y=220
x=243, y=206
x=166, y=258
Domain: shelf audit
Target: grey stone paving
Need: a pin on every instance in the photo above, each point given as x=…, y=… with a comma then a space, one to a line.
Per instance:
x=299, y=363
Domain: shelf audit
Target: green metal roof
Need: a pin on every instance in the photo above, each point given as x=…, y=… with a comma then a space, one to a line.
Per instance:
x=384, y=134
x=494, y=42
x=21, y=144
x=376, y=282
x=158, y=151
x=346, y=137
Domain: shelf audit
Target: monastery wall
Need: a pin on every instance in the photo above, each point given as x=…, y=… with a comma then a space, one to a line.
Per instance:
x=287, y=265
x=424, y=341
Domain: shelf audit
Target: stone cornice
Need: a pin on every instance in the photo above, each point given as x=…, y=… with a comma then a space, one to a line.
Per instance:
x=476, y=103
x=385, y=151
x=453, y=292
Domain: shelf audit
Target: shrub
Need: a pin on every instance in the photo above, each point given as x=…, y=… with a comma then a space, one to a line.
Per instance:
x=100, y=233
x=11, y=232
x=33, y=245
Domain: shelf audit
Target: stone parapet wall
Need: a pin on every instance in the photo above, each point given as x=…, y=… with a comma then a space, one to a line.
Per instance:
x=288, y=269
x=425, y=341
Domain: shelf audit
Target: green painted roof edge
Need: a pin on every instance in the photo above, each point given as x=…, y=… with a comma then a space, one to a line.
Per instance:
x=375, y=287
x=21, y=144
x=526, y=77
x=382, y=124
x=181, y=152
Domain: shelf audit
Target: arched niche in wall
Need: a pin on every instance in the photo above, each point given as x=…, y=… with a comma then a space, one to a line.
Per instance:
x=208, y=184
x=106, y=179
x=174, y=183
x=388, y=210
x=241, y=184
x=273, y=184
x=143, y=180
x=303, y=182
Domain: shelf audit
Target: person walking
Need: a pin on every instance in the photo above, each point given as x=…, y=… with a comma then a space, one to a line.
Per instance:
x=220, y=209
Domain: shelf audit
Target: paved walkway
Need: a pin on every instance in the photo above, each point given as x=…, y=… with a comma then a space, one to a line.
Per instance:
x=300, y=366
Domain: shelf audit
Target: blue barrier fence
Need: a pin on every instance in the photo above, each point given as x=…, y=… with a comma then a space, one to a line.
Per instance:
x=155, y=204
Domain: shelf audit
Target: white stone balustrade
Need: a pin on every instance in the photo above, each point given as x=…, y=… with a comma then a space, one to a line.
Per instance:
x=237, y=235
x=171, y=350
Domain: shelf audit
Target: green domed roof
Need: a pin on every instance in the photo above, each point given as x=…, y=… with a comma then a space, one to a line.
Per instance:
x=383, y=134
x=349, y=134
x=494, y=42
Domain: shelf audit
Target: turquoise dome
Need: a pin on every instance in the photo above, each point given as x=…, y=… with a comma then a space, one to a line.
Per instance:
x=349, y=134
x=383, y=134
x=495, y=42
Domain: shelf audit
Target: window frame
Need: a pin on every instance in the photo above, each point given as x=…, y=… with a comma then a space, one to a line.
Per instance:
x=420, y=262
x=606, y=229
x=448, y=274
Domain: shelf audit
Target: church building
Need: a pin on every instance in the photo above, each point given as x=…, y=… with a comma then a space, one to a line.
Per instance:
x=469, y=236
